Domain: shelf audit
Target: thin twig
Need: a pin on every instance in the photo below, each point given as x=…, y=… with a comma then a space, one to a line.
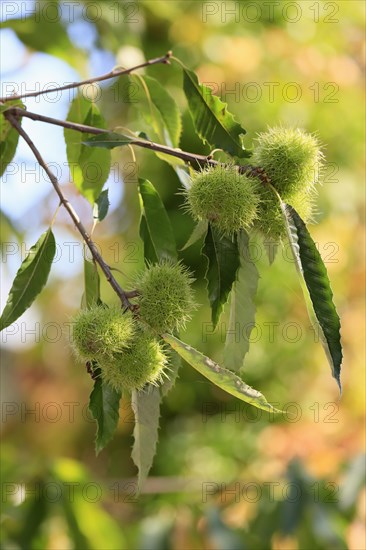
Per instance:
x=112, y=74
x=201, y=160
x=73, y=215
x=193, y=158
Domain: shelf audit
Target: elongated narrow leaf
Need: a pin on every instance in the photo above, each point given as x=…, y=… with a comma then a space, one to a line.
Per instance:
x=242, y=308
x=317, y=287
x=101, y=206
x=30, y=279
x=175, y=362
x=223, y=378
x=150, y=256
x=90, y=525
x=146, y=408
x=91, y=294
x=223, y=262
x=9, y=136
x=167, y=108
x=213, y=123
x=89, y=167
x=77, y=536
x=34, y=516
x=157, y=222
x=104, y=406
x=109, y=140
x=198, y=232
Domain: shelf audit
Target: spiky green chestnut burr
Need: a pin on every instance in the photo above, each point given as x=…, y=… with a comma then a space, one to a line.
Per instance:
x=144, y=362
x=101, y=331
x=291, y=158
x=270, y=219
x=226, y=198
x=166, y=297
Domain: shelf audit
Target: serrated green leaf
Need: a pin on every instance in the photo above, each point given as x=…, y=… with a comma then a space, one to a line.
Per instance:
x=212, y=121
x=9, y=136
x=91, y=294
x=101, y=205
x=175, y=362
x=89, y=167
x=242, y=308
x=109, y=140
x=322, y=311
x=223, y=378
x=30, y=279
x=198, y=232
x=104, y=406
x=167, y=108
x=223, y=262
x=146, y=408
x=158, y=225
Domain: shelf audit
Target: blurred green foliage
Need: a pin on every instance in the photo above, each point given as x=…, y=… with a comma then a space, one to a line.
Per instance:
x=270, y=69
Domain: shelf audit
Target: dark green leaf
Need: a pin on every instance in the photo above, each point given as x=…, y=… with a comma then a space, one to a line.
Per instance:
x=198, y=232
x=89, y=167
x=223, y=378
x=223, y=262
x=91, y=294
x=30, y=279
x=101, y=206
x=213, y=123
x=104, y=406
x=167, y=108
x=157, y=222
x=9, y=136
x=311, y=266
x=109, y=140
x=150, y=256
x=242, y=308
x=146, y=408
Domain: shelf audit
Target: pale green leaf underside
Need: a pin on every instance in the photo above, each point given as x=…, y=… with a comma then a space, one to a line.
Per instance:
x=89, y=167
x=167, y=108
x=223, y=378
x=242, y=308
x=198, y=232
x=30, y=279
x=146, y=408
